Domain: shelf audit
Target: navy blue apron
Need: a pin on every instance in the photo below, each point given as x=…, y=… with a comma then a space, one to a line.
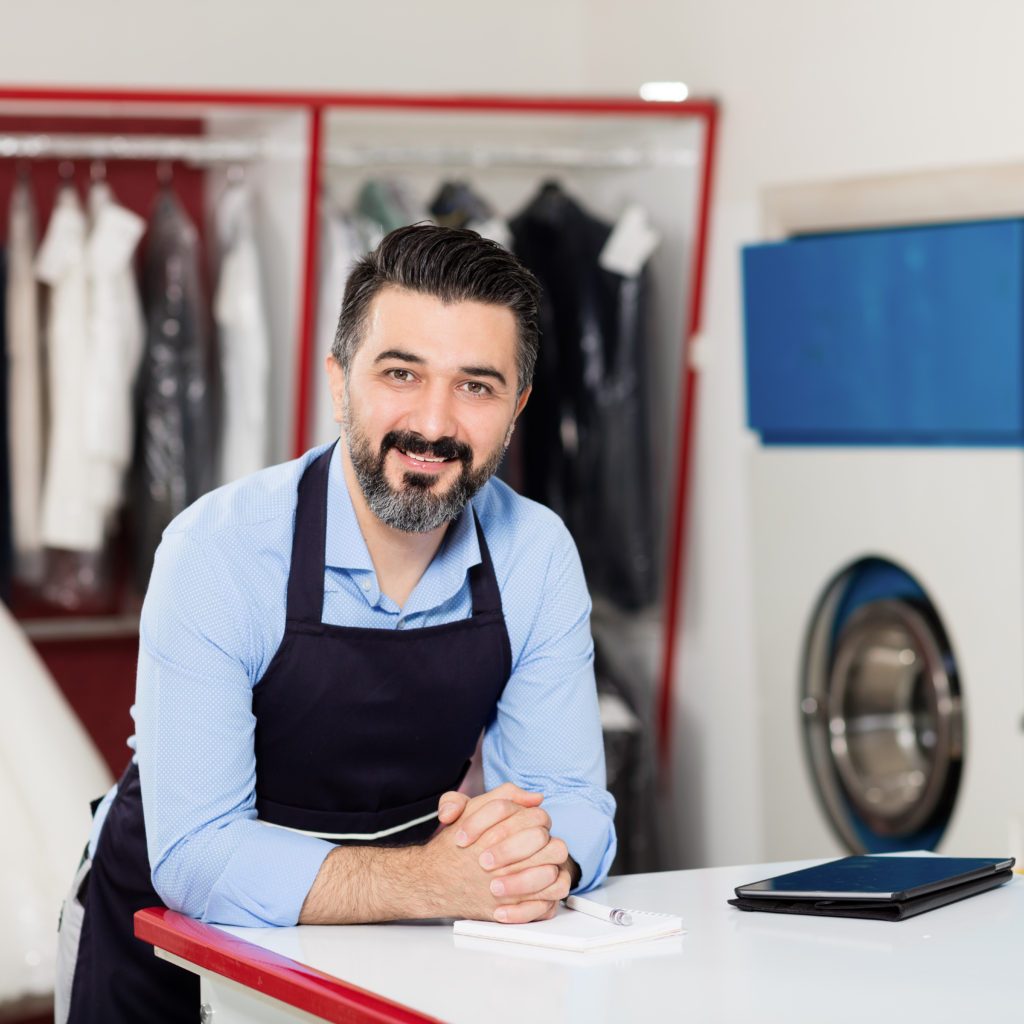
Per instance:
x=358, y=733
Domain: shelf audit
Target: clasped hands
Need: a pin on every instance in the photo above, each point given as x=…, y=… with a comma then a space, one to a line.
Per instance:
x=499, y=857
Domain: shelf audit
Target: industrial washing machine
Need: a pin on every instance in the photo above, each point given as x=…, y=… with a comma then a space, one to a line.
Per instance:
x=885, y=379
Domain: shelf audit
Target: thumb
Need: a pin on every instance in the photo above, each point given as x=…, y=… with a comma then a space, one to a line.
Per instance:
x=450, y=807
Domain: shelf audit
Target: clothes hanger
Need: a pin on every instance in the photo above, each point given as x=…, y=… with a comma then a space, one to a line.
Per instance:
x=165, y=174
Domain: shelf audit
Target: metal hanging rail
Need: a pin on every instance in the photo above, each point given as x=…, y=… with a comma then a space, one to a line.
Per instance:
x=201, y=150
x=619, y=158
x=193, y=150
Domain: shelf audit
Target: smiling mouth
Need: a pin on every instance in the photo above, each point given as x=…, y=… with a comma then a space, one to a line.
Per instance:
x=422, y=458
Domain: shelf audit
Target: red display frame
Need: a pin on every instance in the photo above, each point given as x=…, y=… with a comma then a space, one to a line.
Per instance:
x=316, y=104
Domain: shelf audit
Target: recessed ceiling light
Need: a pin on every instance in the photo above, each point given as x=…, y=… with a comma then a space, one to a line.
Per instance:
x=664, y=92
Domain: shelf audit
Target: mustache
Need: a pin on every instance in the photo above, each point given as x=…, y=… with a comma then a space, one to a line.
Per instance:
x=416, y=444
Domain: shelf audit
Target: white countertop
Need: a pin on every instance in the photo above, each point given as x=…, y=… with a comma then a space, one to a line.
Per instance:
x=963, y=962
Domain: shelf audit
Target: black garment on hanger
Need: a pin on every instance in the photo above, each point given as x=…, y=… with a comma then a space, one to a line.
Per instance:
x=177, y=435
x=6, y=540
x=587, y=449
x=456, y=205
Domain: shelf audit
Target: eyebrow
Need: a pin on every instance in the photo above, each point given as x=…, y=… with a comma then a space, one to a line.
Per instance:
x=472, y=371
x=397, y=353
x=484, y=371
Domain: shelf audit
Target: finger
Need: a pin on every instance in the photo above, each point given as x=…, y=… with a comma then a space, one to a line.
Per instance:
x=521, y=818
x=478, y=820
x=514, y=849
x=556, y=852
x=530, y=882
x=450, y=806
x=557, y=891
x=520, y=913
x=508, y=791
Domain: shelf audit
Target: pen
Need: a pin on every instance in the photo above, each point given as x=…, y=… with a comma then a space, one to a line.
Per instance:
x=609, y=914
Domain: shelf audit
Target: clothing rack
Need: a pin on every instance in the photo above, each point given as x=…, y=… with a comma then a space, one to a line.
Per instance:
x=316, y=164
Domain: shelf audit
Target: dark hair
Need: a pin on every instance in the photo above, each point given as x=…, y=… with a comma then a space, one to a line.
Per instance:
x=453, y=265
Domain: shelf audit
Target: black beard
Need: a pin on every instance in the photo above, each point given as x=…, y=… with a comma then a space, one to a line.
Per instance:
x=415, y=508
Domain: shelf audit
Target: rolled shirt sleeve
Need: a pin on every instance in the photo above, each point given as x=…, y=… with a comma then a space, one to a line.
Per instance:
x=546, y=736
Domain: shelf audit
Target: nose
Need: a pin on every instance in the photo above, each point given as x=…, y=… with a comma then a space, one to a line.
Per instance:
x=433, y=412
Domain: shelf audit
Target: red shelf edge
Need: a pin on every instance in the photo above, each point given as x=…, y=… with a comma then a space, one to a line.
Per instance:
x=269, y=973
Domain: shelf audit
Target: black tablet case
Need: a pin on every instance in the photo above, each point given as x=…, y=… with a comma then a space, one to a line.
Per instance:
x=874, y=909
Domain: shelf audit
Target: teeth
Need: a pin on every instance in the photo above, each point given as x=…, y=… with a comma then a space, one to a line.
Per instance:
x=422, y=458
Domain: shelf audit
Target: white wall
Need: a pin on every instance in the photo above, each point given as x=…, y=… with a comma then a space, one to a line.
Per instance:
x=810, y=89
x=395, y=45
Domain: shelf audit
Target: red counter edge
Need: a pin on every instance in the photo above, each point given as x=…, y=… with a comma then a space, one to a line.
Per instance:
x=302, y=987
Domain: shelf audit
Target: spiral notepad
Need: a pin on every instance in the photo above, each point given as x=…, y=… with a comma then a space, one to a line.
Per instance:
x=571, y=930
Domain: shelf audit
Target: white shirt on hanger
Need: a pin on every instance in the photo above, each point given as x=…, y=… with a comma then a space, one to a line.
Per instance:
x=25, y=385
x=71, y=518
x=243, y=338
x=116, y=335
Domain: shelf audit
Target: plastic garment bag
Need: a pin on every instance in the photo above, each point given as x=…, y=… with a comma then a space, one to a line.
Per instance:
x=49, y=772
x=25, y=385
x=116, y=330
x=242, y=337
x=176, y=447
x=71, y=520
x=586, y=445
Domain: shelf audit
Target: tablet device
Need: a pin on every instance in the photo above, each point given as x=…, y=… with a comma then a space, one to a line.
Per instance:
x=878, y=878
x=879, y=888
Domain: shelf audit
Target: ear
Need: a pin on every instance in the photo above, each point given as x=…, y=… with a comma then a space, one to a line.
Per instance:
x=336, y=382
x=521, y=403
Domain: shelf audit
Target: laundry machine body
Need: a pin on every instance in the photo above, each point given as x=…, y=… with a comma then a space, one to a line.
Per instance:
x=885, y=379
x=940, y=533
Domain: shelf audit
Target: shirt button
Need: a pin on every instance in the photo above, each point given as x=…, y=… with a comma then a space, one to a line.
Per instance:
x=366, y=585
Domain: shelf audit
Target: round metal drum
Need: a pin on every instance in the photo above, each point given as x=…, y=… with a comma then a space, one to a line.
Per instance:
x=882, y=711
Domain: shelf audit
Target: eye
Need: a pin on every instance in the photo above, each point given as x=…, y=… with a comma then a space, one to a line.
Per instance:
x=478, y=388
x=399, y=374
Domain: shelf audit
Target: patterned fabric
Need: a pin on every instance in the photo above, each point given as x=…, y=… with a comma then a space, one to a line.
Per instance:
x=214, y=617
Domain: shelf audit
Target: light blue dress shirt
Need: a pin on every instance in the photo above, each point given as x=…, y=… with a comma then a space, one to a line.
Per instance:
x=214, y=617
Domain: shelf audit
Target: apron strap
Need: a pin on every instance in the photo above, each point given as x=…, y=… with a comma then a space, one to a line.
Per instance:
x=309, y=544
x=483, y=584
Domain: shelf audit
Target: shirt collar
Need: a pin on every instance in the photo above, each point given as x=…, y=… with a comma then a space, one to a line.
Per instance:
x=346, y=548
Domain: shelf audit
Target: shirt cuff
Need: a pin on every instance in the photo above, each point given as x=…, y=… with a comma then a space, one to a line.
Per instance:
x=267, y=879
x=588, y=833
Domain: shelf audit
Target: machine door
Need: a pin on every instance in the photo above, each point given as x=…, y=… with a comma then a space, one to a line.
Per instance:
x=882, y=712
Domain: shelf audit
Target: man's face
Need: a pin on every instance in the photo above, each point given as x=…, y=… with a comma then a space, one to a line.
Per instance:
x=427, y=407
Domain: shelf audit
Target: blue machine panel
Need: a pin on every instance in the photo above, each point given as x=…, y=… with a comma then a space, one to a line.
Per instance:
x=888, y=337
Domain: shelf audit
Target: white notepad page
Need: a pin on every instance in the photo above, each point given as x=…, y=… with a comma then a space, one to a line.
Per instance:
x=569, y=929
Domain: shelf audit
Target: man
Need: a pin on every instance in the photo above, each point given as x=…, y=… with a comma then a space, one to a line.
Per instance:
x=323, y=643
